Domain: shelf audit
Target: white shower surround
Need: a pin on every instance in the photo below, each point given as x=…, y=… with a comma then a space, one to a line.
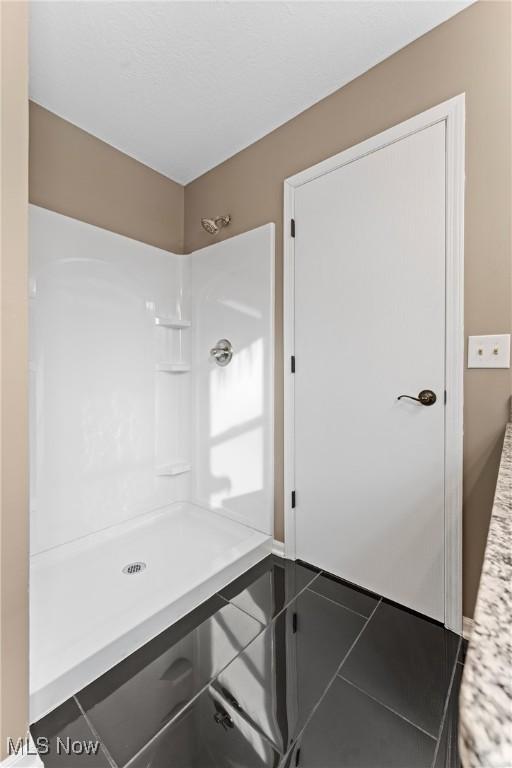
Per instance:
x=173, y=467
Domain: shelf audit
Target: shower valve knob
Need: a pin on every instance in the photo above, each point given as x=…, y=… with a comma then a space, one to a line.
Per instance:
x=222, y=352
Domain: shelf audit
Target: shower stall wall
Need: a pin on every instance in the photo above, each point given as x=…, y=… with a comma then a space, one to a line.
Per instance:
x=151, y=465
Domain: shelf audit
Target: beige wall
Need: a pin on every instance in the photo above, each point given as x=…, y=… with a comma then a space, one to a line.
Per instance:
x=13, y=373
x=74, y=173
x=470, y=53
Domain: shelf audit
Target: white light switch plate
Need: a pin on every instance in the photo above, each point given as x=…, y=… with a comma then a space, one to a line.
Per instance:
x=489, y=351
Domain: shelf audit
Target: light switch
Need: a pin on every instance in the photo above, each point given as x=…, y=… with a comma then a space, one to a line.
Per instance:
x=489, y=351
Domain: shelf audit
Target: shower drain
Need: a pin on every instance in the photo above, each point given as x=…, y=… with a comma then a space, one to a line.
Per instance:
x=132, y=568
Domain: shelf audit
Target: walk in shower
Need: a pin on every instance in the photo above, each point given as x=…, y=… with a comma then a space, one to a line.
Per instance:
x=151, y=461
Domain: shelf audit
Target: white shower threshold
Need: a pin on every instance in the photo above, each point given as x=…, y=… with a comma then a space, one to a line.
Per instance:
x=86, y=614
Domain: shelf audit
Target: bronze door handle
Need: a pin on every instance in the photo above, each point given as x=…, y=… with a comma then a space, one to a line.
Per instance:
x=425, y=397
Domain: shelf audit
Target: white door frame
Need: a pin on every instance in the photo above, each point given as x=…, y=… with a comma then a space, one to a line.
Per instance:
x=452, y=112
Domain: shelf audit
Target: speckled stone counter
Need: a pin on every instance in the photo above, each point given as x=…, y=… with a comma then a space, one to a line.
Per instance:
x=485, y=733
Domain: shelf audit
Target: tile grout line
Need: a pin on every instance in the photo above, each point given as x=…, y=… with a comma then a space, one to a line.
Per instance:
x=95, y=733
x=296, y=595
x=306, y=587
x=446, y=705
x=386, y=706
x=331, y=681
x=239, y=608
x=283, y=608
x=361, y=615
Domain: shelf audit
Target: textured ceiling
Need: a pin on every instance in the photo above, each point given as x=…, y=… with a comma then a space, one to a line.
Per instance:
x=181, y=86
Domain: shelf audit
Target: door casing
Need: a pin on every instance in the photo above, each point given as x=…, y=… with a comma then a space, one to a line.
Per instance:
x=452, y=112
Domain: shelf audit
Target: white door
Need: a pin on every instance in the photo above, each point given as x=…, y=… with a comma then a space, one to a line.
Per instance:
x=370, y=326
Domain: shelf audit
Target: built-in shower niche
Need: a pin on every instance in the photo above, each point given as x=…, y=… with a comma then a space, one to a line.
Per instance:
x=142, y=448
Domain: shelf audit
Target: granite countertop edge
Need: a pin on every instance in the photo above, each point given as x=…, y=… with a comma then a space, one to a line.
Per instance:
x=485, y=730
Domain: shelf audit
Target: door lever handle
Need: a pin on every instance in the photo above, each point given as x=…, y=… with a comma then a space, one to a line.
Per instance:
x=425, y=397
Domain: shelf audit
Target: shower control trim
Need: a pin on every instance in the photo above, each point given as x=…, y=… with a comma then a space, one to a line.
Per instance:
x=222, y=352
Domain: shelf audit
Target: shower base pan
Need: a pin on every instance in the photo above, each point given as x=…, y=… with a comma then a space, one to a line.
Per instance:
x=97, y=599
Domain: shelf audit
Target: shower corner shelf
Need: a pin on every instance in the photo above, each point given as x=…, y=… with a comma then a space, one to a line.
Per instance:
x=169, y=322
x=173, y=367
x=175, y=468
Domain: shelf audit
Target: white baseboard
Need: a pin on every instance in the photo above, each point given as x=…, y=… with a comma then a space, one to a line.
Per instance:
x=278, y=548
x=26, y=757
x=467, y=627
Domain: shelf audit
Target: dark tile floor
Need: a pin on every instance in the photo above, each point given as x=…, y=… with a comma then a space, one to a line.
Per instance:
x=286, y=667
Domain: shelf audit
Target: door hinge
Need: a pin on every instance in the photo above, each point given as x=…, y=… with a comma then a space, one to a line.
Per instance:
x=293, y=499
x=445, y=397
x=294, y=623
x=292, y=227
x=293, y=364
x=297, y=756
